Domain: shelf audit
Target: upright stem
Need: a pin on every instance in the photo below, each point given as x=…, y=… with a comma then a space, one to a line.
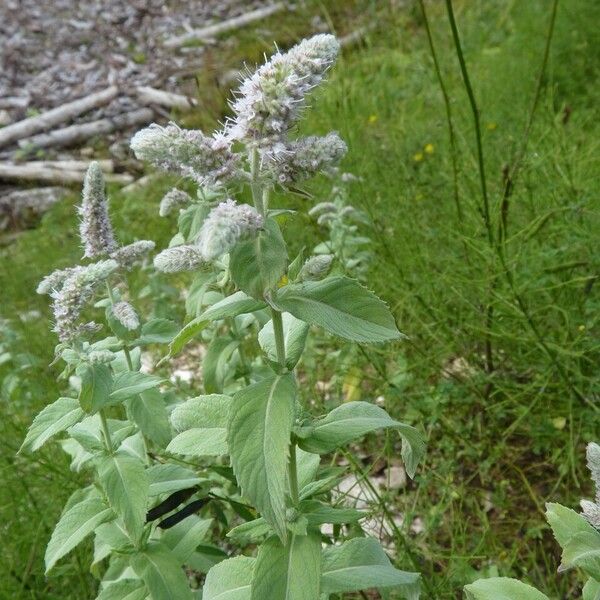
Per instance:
x=293, y=475
x=105, y=431
x=257, y=191
x=279, y=337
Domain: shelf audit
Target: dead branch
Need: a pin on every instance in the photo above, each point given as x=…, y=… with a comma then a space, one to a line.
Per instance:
x=149, y=95
x=27, y=172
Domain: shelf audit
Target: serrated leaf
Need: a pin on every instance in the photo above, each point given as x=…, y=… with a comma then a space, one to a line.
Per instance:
x=583, y=551
x=125, y=589
x=352, y=420
x=251, y=531
x=360, y=564
x=257, y=265
x=341, y=306
x=169, y=478
x=502, y=588
x=318, y=513
x=290, y=572
x=200, y=442
x=232, y=306
x=259, y=432
x=184, y=537
x=131, y=383
x=158, y=331
x=149, y=413
x=53, y=419
x=125, y=483
x=211, y=410
x=74, y=526
x=160, y=570
x=566, y=523
x=96, y=385
x=294, y=336
x=229, y=580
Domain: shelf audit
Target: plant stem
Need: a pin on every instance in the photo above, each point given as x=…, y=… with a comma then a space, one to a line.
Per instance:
x=105, y=430
x=293, y=475
x=257, y=191
x=279, y=337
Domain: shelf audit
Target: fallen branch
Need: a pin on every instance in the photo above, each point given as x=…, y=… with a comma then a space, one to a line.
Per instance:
x=27, y=172
x=78, y=133
x=150, y=95
x=108, y=166
x=60, y=114
x=206, y=33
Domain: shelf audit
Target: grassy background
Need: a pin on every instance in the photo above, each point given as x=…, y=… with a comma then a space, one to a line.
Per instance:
x=502, y=440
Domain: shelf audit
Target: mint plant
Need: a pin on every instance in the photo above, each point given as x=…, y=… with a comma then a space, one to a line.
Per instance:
x=577, y=534
x=254, y=308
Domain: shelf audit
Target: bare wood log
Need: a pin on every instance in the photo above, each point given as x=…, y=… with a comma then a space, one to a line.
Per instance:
x=60, y=114
x=26, y=172
x=79, y=133
x=108, y=166
x=206, y=33
x=15, y=102
x=149, y=95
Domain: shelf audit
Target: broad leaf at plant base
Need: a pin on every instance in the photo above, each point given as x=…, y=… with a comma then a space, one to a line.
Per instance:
x=53, y=419
x=502, y=588
x=341, y=306
x=360, y=564
x=229, y=580
x=290, y=572
x=74, y=526
x=352, y=420
x=259, y=431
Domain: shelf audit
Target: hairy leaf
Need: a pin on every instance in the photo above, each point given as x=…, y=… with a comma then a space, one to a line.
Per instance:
x=200, y=441
x=126, y=485
x=583, y=551
x=229, y=580
x=341, y=306
x=353, y=420
x=96, y=385
x=131, y=383
x=260, y=426
x=502, y=588
x=168, y=478
x=53, y=419
x=161, y=572
x=74, y=526
x=216, y=365
x=290, y=572
x=211, y=410
x=125, y=589
x=360, y=564
x=184, y=537
x=158, y=331
x=257, y=265
x=149, y=413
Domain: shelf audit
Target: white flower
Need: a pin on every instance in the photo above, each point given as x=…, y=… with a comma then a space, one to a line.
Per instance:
x=54, y=281
x=270, y=101
x=189, y=152
x=173, y=199
x=178, y=258
x=126, y=315
x=225, y=225
x=316, y=267
x=95, y=228
x=128, y=255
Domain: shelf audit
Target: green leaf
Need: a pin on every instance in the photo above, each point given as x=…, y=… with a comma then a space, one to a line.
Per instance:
x=502, y=588
x=216, y=365
x=236, y=304
x=583, y=551
x=160, y=570
x=158, y=331
x=53, y=419
x=200, y=442
x=131, y=383
x=341, y=306
x=96, y=384
x=307, y=465
x=259, y=432
x=318, y=513
x=126, y=485
x=258, y=265
x=184, y=537
x=360, y=564
x=149, y=413
x=290, y=572
x=74, y=526
x=209, y=411
x=294, y=335
x=229, y=580
x=566, y=523
x=352, y=420
x=125, y=589
x=169, y=478
x=591, y=590
x=250, y=532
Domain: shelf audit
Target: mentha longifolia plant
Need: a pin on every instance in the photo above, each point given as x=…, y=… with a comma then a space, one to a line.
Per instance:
x=247, y=451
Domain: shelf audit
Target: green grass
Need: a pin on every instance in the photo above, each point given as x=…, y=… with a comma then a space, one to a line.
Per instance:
x=502, y=441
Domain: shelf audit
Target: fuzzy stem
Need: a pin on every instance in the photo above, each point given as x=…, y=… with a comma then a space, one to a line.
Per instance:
x=279, y=337
x=293, y=475
x=257, y=191
x=105, y=431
